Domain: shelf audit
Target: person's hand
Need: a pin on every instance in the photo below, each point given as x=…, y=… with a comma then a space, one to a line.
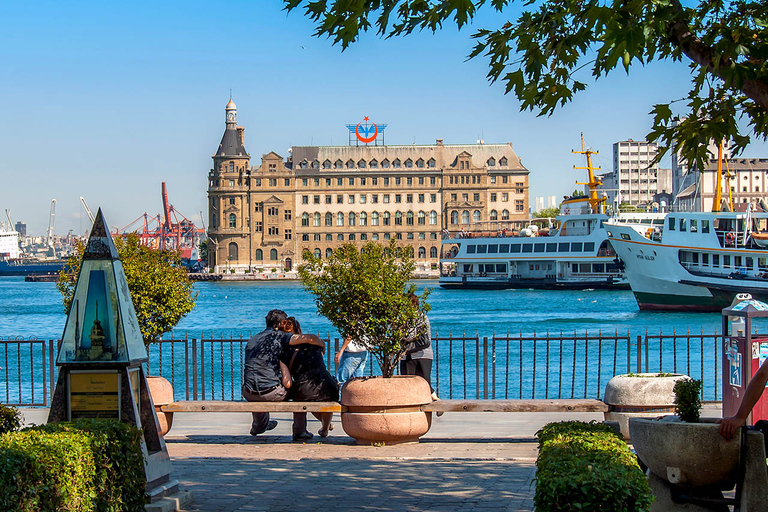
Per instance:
x=729, y=426
x=337, y=358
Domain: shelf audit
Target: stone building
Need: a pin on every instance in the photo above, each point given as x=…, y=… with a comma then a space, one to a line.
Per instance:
x=748, y=183
x=320, y=197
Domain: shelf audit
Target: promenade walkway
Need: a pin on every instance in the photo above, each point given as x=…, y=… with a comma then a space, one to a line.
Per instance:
x=468, y=461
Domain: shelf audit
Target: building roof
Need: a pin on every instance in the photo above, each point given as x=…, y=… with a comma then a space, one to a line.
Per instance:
x=231, y=145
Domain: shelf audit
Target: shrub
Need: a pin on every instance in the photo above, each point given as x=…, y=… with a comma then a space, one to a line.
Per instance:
x=10, y=419
x=687, y=401
x=83, y=465
x=588, y=467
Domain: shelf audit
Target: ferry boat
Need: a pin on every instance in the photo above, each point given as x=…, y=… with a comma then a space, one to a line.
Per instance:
x=699, y=261
x=574, y=252
x=12, y=263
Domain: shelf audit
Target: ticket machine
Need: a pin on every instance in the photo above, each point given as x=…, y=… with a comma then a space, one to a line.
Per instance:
x=742, y=354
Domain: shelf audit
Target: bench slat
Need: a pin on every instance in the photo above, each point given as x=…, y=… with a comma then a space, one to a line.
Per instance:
x=232, y=406
x=567, y=405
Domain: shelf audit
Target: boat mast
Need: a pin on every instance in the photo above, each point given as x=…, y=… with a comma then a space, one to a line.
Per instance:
x=596, y=203
x=718, y=180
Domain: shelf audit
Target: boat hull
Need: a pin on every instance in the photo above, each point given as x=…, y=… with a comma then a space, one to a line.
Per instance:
x=10, y=268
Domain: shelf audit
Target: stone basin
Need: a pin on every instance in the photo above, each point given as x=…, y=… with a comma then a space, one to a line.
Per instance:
x=686, y=454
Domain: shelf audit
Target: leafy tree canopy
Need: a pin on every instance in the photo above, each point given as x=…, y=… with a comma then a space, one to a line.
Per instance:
x=160, y=289
x=547, y=212
x=544, y=55
x=364, y=294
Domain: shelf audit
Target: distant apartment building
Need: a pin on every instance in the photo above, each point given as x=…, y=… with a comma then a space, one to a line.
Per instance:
x=686, y=180
x=635, y=174
x=747, y=184
x=264, y=217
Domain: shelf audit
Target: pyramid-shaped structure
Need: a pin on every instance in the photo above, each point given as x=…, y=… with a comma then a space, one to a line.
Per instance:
x=101, y=325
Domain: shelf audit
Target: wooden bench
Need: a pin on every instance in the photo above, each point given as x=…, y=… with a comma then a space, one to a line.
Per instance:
x=540, y=405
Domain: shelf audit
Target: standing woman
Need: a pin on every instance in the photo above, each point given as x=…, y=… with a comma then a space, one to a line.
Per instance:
x=419, y=355
x=350, y=360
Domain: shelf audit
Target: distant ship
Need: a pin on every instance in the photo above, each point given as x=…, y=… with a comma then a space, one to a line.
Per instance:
x=13, y=264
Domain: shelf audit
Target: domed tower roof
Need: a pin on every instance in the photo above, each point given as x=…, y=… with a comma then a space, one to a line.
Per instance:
x=232, y=141
x=231, y=105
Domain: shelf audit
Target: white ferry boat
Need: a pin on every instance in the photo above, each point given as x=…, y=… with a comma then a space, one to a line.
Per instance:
x=572, y=253
x=9, y=242
x=698, y=262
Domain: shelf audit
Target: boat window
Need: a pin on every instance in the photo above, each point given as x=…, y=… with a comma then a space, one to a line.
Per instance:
x=611, y=267
x=737, y=261
x=563, y=247
x=501, y=267
x=589, y=246
x=514, y=248
x=683, y=225
x=624, y=236
x=586, y=268
x=471, y=249
x=705, y=226
x=715, y=260
x=504, y=248
x=552, y=247
x=695, y=257
x=467, y=268
x=598, y=267
x=762, y=264
x=748, y=263
x=726, y=260
x=493, y=249
x=538, y=247
x=527, y=247
x=671, y=223
x=576, y=247
x=705, y=259
x=482, y=249
x=694, y=227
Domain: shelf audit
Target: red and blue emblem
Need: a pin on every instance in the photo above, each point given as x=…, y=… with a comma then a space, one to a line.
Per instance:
x=366, y=131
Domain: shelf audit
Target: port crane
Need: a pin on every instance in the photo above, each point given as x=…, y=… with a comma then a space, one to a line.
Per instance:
x=87, y=210
x=51, y=225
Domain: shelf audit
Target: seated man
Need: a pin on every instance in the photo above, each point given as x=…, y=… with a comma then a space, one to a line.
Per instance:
x=263, y=377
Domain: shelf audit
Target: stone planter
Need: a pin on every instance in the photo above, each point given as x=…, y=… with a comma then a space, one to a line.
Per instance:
x=639, y=395
x=686, y=454
x=161, y=391
x=387, y=411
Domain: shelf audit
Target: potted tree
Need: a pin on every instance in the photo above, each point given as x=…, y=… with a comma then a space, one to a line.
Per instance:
x=364, y=294
x=162, y=295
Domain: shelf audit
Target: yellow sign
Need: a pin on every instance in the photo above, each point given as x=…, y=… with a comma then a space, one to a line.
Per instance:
x=94, y=395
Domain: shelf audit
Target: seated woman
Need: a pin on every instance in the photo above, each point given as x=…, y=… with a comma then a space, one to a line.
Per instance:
x=311, y=380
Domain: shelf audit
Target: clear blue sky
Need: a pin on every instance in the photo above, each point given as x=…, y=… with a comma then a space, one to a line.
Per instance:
x=107, y=100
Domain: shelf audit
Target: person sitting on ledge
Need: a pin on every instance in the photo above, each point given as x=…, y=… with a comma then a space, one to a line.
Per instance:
x=729, y=426
x=264, y=378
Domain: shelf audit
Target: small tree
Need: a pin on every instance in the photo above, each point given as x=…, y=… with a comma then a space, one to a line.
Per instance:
x=160, y=288
x=364, y=294
x=547, y=212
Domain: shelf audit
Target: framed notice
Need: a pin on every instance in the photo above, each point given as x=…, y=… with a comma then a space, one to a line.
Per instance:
x=94, y=394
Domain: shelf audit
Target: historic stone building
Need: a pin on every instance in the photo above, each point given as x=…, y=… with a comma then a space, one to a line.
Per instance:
x=320, y=197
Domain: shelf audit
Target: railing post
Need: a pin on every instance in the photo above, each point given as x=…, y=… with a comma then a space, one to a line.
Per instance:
x=186, y=367
x=647, y=365
x=52, y=367
x=639, y=354
x=194, y=368
x=629, y=353
x=485, y=367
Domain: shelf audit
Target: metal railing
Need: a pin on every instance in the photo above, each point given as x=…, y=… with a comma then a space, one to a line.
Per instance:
x=502, y=366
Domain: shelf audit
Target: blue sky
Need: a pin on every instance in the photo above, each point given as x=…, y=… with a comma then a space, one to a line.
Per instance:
x=107, y=101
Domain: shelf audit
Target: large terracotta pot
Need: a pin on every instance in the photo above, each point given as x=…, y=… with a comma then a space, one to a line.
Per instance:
x=687, y=454
x=387, y=411
x=161, y=391
x=639, y=395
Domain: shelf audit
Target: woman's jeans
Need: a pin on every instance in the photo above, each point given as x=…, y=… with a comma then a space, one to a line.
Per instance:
x=351, y=364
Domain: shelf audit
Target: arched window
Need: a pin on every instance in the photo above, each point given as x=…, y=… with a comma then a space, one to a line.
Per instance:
x=329, y=219
x=454, y=217
x=433, y=252
x=422, y=253
x=491, y=162
x=327, y=164
x=361, y=164
x=396, y=163
x=338, y=164
x=273, y=254
x=231, y=166
x=431, y=162
x=213, y=220
x=503, y=161
x=375, y=219
x=433, y=218
x=363, y=219
x=351, y=219
x=232, y=251
x=398, y=218
x=316, y=219
x=318, y=254
x=374, y=164
x=409, y=219
x=494, y=215
x=340, y=219
x=420, y=163
x=422, y=218
x=315, y=164
x=259, y=255
x=350, y=164
x=232, y=220
x=504, y=214
x=328, y=252
x=305, y=219
x=409, y=163
x=386, y=218
x=476, y=216
x=385, y=164
x=465, y=217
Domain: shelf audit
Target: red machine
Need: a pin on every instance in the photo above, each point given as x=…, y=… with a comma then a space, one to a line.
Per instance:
x=742, y=355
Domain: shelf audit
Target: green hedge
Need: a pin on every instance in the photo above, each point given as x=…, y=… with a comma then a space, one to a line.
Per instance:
x=82, y=465
x=588, y=467
x=10, y=419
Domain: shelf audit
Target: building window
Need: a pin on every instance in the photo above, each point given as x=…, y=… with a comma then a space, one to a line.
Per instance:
x=465, y=217
x=273, y=230
x=305, y=237
x=232, y=169
x=504, y=214
x=351, y=198
x=272, y=211
x=351, y=221
x=287, y=182
x=375, y=198
x=433, y=252
x=493, y=197
x=272, y=182
x=503, y=161
x=340, y=237
x=328, y=252
x=259, y=255
x=316, y=237
x=494, y=215
x=454, y=217
x=453, y=197
x=420, y=163
x=304, y=199
x=396, y=163
x=432, y=198
x=433, y=218
x=327, y=164
x=362, y=181
x=374, y=181
x=397, y=180
x=338, y=164
x=432, y=180
x=287, y=215
x=257, y=227
x=409, y=219
x=386, y=218
x=491, y=162
x=493, y=180
x=340, y=219
x=339, y=199
x=327, y=182
x=518, y=205
x=232, y=255
x=317, y=253
x=409, y=198
x=374, y=164
x=350, y=164
x=305, y=219
x=421, y=198
x=431, y=162
x=398, y=198
x=363, y=236
x=329, y=219
x=386, y=182
x=257, y=207
x=328, y=199
x=361, y=164
x=273, y=254
x=409, y=163
x=422, y=253
x=213, y=220
x=363, y=198
x=375, y=219
x=288, y=234
x=398, y=219
x=232, y=220
x=385, y=164
x=316, y=219
x=339, y=182
x=476, y=216
x=363, y=219
x=316, y=199
x=386, y=198
x=258, y=182
x=317, y=182
x=232, y=200
x=504, y=196
x=422, y=218
x=476, y=197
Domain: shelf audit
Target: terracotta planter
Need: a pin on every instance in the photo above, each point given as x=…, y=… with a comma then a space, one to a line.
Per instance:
x=640, y=395
x=687, y=454
x=161, y=391
x=386, y=410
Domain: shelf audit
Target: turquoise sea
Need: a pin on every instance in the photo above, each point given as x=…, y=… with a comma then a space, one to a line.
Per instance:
x=574, y=368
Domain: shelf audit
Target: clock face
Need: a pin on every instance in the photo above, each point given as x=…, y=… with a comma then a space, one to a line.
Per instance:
x=230, y=117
